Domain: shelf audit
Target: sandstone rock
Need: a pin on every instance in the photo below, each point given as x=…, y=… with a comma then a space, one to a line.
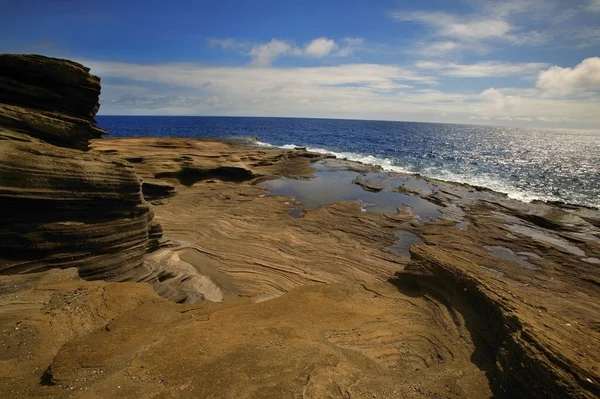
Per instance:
x=63, y=207
x=48, y=83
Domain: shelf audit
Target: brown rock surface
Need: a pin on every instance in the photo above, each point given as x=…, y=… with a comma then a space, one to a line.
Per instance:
x=500, y=299
x=305, y=305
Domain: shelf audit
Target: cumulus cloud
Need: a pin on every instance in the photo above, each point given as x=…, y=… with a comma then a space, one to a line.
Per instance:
x=559, y=81
x=319, y=47
x=265, y=54
x=499, y=99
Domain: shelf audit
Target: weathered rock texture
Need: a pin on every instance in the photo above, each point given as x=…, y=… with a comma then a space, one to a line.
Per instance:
x=463, y=322
x=61, y=205
x=499, y=298
x=51, y=99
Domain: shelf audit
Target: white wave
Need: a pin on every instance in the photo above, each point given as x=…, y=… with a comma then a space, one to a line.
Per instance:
x=386, y=163
x=482, y=180
x=260, y=143
x=489, y=182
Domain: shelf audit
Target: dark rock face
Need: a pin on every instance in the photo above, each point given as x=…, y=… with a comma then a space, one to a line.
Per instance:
x=155, y=190
x=63, y=207
x=188, y=175
x=48, y=98
x=49, y=83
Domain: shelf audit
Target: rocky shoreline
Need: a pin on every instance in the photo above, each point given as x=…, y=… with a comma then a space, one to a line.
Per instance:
x=162, y=267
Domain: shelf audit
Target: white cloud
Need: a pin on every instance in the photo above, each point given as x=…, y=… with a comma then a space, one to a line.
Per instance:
x=320, y=47
x=438, y=48
x=499, y=99
x=362, y=91
x=561, y=81
x=247, y=80
x=552, y=119
x=265, y=54
x=449, y=25
x=491, y=22
x=482, y=69
x=444, y=48
x=476, y=30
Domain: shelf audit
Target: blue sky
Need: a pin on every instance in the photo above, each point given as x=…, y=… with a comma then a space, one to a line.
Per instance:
x=516, y=62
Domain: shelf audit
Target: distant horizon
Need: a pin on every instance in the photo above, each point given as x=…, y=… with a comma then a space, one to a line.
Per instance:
x=355, y=119
x=527, y=63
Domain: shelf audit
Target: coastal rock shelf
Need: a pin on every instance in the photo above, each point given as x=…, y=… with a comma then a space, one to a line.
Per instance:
x=297, y=275
x=522, y=327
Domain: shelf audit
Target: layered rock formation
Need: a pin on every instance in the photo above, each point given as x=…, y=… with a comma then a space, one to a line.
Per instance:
x=497, y=299
x=61, y=205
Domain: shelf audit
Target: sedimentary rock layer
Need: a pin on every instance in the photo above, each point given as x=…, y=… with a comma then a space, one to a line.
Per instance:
x=61, y=206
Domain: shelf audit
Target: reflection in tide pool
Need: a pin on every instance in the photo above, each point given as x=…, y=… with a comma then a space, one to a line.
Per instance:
x=540, y=236
x=328, y=187
x=508, y=254
x=404, y=240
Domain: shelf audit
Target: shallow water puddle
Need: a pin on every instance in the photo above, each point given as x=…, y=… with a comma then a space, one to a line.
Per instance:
x=328, y=187
x=404, y=240
x=462, y=225
x=529, y=255
x=508, y=254
x=539, y=236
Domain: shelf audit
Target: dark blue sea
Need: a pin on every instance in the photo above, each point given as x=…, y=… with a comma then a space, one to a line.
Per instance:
x=527, y=164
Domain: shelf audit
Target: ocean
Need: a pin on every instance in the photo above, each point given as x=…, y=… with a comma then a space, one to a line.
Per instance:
x=527, y=164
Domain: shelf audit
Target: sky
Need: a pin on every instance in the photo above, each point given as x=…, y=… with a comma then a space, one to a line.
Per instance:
x=511, y=62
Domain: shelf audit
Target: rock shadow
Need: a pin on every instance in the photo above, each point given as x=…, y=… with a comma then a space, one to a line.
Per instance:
x=188, y=176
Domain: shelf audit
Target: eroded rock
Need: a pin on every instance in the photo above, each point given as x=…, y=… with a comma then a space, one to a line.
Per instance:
x=61, y=205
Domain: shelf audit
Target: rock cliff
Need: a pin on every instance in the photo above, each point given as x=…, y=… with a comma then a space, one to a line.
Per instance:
x=61, y=205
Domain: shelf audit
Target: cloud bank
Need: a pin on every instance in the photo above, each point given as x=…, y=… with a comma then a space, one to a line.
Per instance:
x=360, y=91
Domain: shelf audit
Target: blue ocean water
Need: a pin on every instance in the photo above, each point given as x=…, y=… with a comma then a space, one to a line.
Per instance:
x=527, y=164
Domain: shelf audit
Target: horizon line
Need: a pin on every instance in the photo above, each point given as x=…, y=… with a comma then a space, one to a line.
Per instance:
x=596, y=129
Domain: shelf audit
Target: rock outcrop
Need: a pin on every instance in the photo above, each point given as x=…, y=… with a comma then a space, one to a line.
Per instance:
x=61, y=205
